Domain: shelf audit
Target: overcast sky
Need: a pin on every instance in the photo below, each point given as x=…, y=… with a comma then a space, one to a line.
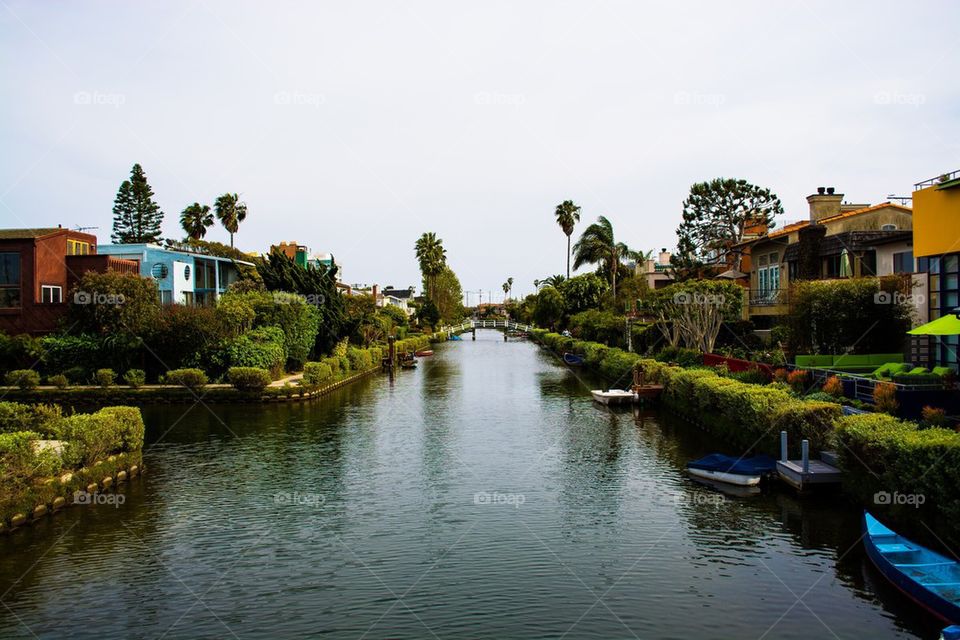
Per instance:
x=354, y=127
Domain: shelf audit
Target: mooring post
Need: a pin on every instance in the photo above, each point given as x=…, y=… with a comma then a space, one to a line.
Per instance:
x=805, y=455
x=783, y=446
x=392, y=351
x=474, y=333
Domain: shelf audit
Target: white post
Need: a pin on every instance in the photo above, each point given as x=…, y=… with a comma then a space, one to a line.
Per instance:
x=805, y=454
x=783, y=446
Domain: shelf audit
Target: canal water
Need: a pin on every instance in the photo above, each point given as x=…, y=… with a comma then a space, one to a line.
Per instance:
x=483, y=495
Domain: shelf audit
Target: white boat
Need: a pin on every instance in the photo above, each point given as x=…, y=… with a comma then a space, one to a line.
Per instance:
x=729, y=478
x=613, y=396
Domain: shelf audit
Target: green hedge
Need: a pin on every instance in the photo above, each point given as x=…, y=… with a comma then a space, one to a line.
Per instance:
x=248, y=378
x=615, y=364
x=882, y=453
x=190, y=378
x=316, y=373
x=752, y=416
x=42, y=418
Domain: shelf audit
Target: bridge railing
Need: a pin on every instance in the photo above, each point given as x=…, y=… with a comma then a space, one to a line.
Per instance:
x=486, y=324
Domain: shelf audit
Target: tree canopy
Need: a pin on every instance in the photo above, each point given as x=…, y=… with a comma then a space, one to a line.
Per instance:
x=136, y=216
x=716, y=217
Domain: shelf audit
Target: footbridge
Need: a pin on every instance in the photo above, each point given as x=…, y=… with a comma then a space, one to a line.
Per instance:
x=472, y=325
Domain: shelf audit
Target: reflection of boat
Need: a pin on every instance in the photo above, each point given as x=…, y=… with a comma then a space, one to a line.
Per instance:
x=926, y=577
x=424, y=352
x=745, y=472
x=613, y=396
x=573, y=359
x=733, y=490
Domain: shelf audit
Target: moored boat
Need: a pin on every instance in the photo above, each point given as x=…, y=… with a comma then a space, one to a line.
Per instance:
x=613, y=396
x=926, y=577
x=422, y=353
x=573, y=359
x=744, y=472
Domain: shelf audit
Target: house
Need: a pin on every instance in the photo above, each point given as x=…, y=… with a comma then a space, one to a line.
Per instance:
x=301, y=255
x=183, y=277
x=400, y=298
x=838, y=240
x=658, y=273
x=936, y=246
x=38, y=268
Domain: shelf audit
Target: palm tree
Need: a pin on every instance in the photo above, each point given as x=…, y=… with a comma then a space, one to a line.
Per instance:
x=552, y=281
x=506, y=288
x=195, y=219
x=598, y=245
x=432, y=258
x=568, y=215
x=510, y=286
x=230, y=212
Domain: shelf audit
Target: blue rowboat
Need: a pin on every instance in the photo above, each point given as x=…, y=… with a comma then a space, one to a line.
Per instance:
x=926, y=577
x=745, y=472
x=573, y=359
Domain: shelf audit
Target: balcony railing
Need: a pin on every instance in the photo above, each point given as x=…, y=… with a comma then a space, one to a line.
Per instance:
x=767, y=297
x=943, y=178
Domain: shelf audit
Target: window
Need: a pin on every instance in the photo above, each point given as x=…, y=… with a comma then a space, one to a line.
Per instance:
x=903, y=262
x=10, y=279
x=888, y=227
x=166, y=297
x=831, y=267
x=77, y=248
x=768, y=278
x=51, y=294
x=868, y=263
x=188, y=298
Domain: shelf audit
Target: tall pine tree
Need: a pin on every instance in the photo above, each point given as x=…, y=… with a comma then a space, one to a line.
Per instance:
x=136, y=217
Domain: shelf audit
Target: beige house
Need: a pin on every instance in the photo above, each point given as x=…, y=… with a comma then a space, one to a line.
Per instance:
x=838, y=240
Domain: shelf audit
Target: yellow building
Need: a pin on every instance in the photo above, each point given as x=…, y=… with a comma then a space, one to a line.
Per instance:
x=936, y=206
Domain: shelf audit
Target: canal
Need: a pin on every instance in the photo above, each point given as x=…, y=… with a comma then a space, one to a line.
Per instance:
x=483, y=495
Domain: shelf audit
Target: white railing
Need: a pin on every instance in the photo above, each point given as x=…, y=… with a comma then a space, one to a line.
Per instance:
x=486, y=324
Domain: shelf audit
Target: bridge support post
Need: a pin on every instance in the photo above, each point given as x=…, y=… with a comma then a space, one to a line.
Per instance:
x=474, y=332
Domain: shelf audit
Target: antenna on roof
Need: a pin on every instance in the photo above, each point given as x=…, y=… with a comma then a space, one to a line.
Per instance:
x=79, y=228
x=903, y=199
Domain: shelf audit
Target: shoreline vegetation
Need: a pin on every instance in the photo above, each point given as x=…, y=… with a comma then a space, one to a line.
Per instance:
x=878, y=453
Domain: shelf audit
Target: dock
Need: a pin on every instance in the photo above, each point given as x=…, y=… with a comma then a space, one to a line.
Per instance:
x=806, y=474
x=642, y=391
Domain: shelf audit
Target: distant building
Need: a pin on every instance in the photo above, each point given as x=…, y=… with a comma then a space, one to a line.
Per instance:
x=301, y=255
x=400, y=298
x=658, y=273
x=182, y=277
x=38, y=268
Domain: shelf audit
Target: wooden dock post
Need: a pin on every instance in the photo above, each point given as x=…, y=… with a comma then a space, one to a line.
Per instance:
x=783, y=446
x=805, y=454
x=392, y=352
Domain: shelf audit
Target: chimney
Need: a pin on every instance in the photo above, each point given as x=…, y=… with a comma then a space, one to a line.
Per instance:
x=375, y=290
x=664, y=256
x=824, y=203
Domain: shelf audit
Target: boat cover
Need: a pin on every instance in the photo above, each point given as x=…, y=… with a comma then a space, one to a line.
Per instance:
x=755, y=466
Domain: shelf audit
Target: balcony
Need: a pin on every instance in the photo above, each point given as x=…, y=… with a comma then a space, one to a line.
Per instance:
x=770, y=302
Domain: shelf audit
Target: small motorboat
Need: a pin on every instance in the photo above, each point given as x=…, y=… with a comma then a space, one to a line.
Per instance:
x=926, y=577
x=423, y=353
x=573, y=360
x=454, y=336
x=744, y=472
x=613, y=396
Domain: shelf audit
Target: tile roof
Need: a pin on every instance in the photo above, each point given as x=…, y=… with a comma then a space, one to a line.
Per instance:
x=840, y=216
x=26, y=234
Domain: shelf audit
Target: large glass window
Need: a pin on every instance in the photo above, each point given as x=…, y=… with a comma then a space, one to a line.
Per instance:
x=10, y=279
x=77, y=248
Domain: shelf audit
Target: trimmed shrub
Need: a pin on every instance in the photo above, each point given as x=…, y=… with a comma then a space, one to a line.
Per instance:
x=799, y=380
x=41, y=418
x=21, y=461
x=105, y=377
x=332, y=362
x=77, y=375
x=753, y=375
x=135, y=378
x=90, y=437
x=26, y=379
x=933, y=417
x=316, y=373
x=59, y=380
x=193, y=379
x=833, y=386
x=821, y=396
x=128, y=422
x=262, y=348
x=248, y=378
x=885, y=398
x=360, y=359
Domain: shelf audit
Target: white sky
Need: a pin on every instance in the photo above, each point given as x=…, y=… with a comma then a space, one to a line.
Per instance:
x=354, y=127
